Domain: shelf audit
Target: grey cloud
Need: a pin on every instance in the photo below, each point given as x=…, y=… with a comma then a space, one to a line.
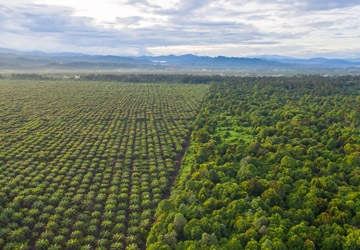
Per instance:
x=257, y=17
x=133, y=20
x=190, y=22
x=42, y=18
x=191, y=5
x=49, y=23
x=312, y=5
x=185, y=8
x=43, y=23
x=316, y=5
x=323, y=24
x=3, y=14
x=216, y=32
x=135, y=2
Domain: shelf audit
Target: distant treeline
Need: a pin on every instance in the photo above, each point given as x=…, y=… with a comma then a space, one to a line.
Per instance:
x=140, y=78
x=31, y=76
x=288, y=82
x=135, y=78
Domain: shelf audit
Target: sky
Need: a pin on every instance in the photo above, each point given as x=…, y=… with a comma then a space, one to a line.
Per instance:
x=234, y=28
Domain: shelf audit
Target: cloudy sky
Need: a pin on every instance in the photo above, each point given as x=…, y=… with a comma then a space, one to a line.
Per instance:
x=300, y=28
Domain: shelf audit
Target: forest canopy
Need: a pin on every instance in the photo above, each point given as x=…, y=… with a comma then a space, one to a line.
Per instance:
x=274, y=163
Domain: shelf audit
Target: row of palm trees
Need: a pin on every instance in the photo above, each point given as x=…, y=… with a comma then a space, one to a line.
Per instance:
x=91, y=174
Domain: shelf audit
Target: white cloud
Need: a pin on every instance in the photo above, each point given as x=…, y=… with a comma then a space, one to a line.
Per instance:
x=208, y=27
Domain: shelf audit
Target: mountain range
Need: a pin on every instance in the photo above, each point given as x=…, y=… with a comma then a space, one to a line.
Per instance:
x=13, y=60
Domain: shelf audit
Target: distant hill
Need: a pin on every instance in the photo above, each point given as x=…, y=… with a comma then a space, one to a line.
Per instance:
x=37, y=60
x=318, y=61
x=220, y=62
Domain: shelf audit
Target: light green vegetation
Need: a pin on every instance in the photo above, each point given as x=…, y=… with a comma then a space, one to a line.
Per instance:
x=84, y=164
x=236, y=133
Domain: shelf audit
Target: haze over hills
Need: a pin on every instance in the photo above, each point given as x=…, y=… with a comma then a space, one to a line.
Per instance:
x=12, y=60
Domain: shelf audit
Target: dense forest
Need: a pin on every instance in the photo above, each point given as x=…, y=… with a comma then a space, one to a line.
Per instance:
x=87, y=162
x=274, y=163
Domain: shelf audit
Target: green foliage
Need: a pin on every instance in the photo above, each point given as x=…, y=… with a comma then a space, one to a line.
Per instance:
x=84, y=164
x=274, y=164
